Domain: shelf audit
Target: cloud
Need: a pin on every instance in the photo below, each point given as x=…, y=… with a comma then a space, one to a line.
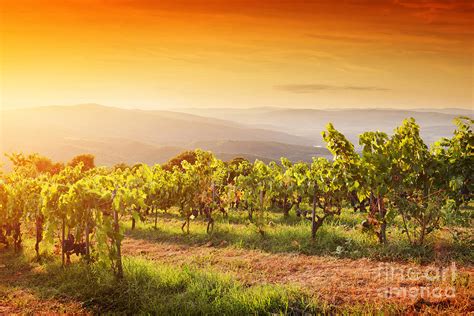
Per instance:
x=340, y=38
x=429, y=10
x=436, y=4
x=312, y=88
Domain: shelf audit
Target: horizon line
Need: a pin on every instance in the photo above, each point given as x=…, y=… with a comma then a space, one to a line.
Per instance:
x=179, y=109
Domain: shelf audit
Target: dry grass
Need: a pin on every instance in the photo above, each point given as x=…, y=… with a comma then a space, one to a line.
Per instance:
x=16, y=299
x=21, y=301
x=336, y=281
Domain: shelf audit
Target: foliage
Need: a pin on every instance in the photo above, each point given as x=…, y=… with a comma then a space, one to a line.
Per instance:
x=82, y=206
x=189, y=156
x=456, y=161
x=87, y=161
x=417, y=190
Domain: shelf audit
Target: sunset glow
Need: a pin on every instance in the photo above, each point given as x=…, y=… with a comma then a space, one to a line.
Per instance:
x=237, y=53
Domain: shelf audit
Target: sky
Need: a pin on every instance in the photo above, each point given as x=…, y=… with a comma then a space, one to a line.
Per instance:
x=237, y=53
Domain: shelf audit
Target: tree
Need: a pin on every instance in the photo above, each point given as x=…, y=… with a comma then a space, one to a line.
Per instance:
x=34, y=164
x=190, y=156
x=236, y=167
x=87, y=161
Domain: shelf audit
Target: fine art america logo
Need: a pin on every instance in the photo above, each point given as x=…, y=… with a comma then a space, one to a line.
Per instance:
x=414, y=283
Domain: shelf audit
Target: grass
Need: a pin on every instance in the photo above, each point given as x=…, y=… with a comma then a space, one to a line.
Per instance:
x=152, y=288
x=159, y=289
x=341, y=236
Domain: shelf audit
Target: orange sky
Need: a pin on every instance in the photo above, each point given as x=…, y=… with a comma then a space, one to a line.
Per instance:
x=237, y=53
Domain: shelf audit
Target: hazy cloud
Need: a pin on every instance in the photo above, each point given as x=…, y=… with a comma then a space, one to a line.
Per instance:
x=429, y=10
x=340, y=38
x=311, y=88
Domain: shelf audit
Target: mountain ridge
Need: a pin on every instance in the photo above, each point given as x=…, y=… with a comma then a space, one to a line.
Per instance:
x=153, y=136
x=117, y=135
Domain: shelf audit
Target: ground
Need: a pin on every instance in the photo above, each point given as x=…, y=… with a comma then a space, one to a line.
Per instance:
x=17, y=299
x=343, y=268
x=337, y=281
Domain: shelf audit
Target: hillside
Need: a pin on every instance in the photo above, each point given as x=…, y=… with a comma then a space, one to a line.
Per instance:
x=111, y=151
x=435, y=123
x=270, y=150
x=156, y=127
x=120, y=135
x=116, y=135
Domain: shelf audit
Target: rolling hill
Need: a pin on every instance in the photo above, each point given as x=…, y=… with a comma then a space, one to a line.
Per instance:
x=308, y=123
x=121, y=135
x=116, y=135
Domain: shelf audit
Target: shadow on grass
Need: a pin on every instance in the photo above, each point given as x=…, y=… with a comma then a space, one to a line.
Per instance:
x=331, y=239
x=348, y=217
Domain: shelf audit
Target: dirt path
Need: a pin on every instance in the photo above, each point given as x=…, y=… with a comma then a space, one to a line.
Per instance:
x=334, y=280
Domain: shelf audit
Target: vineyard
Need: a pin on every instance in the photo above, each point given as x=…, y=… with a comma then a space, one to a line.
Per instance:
x=394, y=190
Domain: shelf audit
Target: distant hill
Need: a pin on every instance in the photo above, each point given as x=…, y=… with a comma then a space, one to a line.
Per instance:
x=116, y=135
x=120, y=135
x=155, y=127
x=269, y=150
x=308, y=123
x=113, y=150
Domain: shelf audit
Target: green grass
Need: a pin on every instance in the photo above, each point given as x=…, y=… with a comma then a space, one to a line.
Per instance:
x=340, y=236
x=152, y=288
